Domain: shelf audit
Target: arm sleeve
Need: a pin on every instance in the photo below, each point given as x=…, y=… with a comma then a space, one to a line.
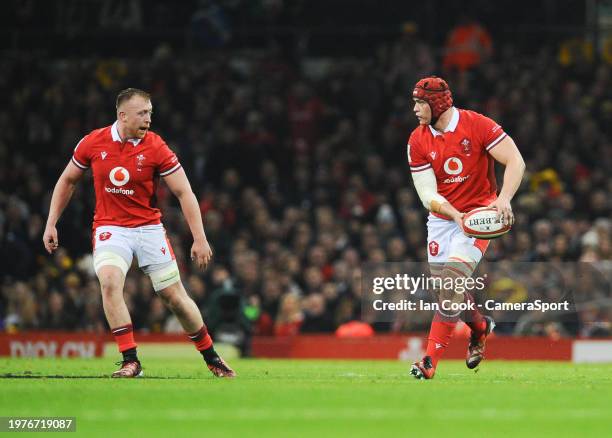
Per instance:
x=168, y=161
x=489, y=132
x=81, y=156
x=427, y=187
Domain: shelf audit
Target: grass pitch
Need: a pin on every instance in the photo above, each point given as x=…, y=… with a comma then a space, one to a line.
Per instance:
x=284, y=398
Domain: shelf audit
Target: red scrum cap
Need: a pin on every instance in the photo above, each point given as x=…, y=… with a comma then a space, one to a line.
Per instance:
x=435, y=92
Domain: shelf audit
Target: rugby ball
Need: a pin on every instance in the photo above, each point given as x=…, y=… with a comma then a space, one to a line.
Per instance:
x=484, y=223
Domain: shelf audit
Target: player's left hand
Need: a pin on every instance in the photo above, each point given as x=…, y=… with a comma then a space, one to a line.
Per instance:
x=201, y=253
x=502, y=205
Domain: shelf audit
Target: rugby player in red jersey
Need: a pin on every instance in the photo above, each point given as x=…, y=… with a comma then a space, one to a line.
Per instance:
x=451, y=156
x=127, y=161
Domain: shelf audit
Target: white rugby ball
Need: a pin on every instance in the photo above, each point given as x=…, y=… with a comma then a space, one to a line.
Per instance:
x=484, y=223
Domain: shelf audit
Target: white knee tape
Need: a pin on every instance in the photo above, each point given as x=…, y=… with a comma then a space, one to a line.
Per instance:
x=108, y=258
x=164, y=277
x=470, y=254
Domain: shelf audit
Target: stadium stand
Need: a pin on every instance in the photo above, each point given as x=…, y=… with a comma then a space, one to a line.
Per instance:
x=298, y=161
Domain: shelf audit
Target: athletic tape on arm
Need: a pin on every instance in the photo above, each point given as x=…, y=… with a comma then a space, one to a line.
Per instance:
x=427, y=188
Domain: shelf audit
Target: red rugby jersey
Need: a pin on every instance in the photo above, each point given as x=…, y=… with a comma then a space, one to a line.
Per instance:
x=125, y=175
x=459, y=158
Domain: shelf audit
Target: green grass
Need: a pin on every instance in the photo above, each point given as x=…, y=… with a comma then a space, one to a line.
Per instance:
x=270, y=398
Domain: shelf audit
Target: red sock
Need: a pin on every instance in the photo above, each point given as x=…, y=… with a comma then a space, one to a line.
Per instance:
x=124, y=337
x=473, y=318
x=439, y=337
x=201, y=339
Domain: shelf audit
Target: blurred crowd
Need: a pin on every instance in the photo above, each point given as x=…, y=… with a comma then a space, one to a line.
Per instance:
x=300, y=169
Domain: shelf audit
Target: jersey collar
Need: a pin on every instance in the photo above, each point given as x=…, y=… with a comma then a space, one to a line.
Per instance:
x=117, y=137
x=452, y=125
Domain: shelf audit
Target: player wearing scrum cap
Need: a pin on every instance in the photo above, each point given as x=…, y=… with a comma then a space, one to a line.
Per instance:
x=451, y=156
x=127, y=161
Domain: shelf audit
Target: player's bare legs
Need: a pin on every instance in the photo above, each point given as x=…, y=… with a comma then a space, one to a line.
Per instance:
x=186, y=310
x=449, y=295
x=176, y=299
x=444, y=320
x=112, y=280
x=481, y=326
x=443, y=323
x=111, y=283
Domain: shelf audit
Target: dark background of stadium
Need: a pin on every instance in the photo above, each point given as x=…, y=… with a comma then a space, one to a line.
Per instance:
x=338, y=27
x=291, y=222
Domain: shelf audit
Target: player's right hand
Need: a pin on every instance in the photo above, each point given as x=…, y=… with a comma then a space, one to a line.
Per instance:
x=201, y=253
x=458, y=218
x=502, y=205
x=50, y=239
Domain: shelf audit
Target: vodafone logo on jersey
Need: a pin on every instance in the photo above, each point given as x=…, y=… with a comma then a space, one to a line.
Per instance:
x=453, y=166
x=119, y=176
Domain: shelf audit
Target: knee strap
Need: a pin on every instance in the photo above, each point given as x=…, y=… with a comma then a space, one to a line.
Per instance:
x=109, y=258
x=164, y=277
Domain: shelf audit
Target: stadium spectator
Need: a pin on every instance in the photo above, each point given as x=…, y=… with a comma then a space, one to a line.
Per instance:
x=316, y=315
x=468, y=45
x=271, y=211
x=290, y=316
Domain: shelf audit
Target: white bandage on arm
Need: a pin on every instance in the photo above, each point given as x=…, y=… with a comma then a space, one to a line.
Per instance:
x=109, y=258
x=164, y=277
x=427, y=189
